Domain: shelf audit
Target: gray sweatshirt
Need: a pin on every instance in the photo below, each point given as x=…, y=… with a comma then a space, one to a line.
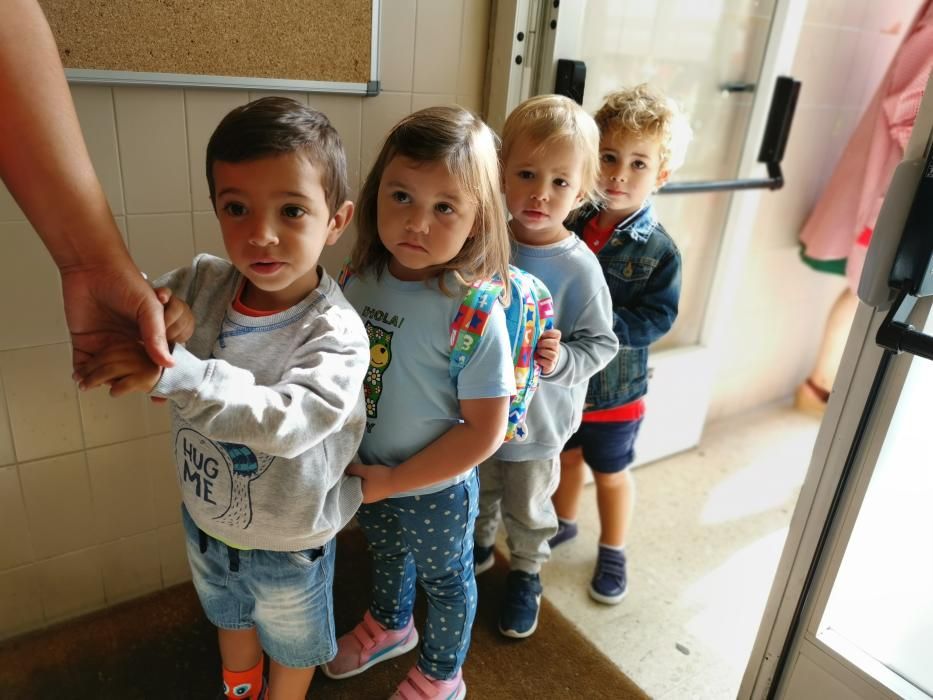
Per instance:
x=267, y=412
x=583, y=315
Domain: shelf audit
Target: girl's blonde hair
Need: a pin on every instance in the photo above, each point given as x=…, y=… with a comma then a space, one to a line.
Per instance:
x=460, y=140
x=548, y=119
x=644, y=112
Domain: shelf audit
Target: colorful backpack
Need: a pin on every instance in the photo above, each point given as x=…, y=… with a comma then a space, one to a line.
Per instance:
x=528, y=315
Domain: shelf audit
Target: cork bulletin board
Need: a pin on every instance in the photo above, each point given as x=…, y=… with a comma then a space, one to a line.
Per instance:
x=310, y=45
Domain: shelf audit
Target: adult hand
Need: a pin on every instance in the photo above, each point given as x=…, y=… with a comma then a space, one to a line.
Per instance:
x=108, y=303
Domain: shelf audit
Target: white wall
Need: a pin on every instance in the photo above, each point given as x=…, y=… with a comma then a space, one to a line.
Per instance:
x=88, y=496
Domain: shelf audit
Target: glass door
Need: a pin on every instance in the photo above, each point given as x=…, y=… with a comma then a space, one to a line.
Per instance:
x=850, y=613
x=878, y=612
x=720, y=60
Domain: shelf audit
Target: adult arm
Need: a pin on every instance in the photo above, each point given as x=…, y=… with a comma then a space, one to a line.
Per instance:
x=45, y=165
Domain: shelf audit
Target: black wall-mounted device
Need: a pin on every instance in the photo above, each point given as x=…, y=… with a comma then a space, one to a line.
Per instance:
x=571, y=79
x=913, y=262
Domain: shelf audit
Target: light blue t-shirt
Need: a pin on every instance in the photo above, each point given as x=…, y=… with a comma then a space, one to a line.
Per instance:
x=411, y=399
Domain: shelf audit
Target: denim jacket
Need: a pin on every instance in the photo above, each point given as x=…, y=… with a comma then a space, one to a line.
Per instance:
x=641, y=263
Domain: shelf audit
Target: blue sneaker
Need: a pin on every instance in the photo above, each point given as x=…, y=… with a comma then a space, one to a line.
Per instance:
x=483, y=558
x=519, y=615
x=609, y=584
x=566, y=531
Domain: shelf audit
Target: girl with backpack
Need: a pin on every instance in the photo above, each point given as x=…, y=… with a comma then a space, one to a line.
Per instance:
x=431, y=222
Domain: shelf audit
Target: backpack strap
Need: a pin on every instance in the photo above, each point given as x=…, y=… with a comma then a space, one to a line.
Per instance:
x=470, y=322
x=346, y=272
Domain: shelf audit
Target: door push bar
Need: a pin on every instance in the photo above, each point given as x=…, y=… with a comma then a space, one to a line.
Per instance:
x=771, y=153
x=912, y=273
x=570, y=81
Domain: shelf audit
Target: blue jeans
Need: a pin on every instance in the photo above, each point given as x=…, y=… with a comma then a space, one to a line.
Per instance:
x=426, y=538
x=286, y=596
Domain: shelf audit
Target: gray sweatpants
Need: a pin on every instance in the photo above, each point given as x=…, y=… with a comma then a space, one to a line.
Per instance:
x=522, y=491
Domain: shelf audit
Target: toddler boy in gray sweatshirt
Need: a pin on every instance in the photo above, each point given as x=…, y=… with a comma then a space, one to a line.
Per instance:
x=266, y=395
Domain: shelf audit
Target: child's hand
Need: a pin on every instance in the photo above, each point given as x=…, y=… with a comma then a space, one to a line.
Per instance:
x=124, y=366
x=179, y=321
x=547, y=352
x=377, y=481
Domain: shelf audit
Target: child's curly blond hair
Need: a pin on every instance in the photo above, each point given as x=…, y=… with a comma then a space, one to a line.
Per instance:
x=644, y=112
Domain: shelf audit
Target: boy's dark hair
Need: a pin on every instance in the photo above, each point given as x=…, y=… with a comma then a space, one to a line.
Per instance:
x=273, y=126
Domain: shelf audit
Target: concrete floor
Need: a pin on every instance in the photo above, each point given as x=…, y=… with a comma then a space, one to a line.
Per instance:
x=708, y=531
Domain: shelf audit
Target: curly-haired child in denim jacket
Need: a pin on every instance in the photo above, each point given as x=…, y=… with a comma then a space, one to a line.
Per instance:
x=643, y=139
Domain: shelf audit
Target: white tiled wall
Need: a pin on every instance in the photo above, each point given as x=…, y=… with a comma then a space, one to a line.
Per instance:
x=845, y=47
x=88, y=498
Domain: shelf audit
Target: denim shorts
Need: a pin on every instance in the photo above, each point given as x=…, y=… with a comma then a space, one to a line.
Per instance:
x=286, y=596
x=607, y=447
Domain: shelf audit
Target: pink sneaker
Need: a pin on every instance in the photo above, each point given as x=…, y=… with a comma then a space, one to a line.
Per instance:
x=418, y=686
x=366, y=645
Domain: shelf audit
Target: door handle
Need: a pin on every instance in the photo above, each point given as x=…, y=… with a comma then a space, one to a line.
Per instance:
x=771, y=153
x=897, y=336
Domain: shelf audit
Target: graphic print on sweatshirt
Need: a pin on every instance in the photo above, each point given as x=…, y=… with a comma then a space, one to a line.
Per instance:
x=218, y=476
x=380, y=355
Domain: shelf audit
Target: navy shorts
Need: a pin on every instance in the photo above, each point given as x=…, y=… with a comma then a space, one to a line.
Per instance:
x=607, y=447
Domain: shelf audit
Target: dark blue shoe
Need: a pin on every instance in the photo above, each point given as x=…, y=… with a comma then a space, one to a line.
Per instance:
x=519, y=615
x=566, y=531
x=609, y=584
x=483, y=558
